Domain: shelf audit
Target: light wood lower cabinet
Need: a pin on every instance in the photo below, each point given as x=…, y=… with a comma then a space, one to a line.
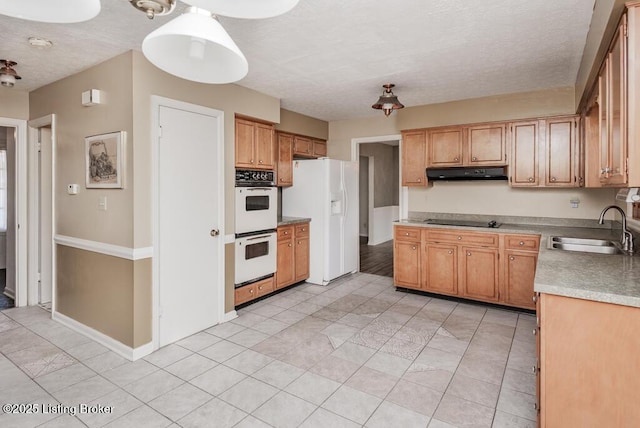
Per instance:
x=249, y=292
x=293, y=254
x=467, y=264
x=589, y=363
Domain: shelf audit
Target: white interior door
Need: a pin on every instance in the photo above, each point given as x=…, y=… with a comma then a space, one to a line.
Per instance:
x=189, y=198
x=46, y=214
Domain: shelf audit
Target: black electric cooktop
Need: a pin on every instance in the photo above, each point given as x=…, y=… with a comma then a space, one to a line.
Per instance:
x=467, y=223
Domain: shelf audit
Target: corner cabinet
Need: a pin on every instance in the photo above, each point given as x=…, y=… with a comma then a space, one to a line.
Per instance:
x=254, y=144
x=414, y=158
x=466, y=264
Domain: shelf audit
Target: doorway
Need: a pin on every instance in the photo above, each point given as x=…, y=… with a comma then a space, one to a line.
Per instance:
x=188, y=261
x=7, y=251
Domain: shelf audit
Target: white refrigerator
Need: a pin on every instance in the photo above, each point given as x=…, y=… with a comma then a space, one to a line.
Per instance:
x=326, y=190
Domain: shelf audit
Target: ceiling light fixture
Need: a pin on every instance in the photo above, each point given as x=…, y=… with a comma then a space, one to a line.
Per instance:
x=194, y=46
x=388, y=102
x=40, y=43
x=154, y=7
x=8, y=75
x=51, y=11
x=247, y=9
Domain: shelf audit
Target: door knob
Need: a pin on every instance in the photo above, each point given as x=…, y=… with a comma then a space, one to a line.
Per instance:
x=214, y=232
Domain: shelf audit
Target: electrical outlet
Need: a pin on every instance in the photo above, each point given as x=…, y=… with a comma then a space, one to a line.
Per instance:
x=102, y=203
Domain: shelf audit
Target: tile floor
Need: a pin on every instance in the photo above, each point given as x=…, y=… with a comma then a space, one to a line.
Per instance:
x=354, y=353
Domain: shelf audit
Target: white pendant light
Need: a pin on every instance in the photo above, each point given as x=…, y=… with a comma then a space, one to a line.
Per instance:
x=247, y=9
x=194, y=46
x=53, y=11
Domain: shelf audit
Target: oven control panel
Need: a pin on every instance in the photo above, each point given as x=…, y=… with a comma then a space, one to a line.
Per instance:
x=250, y=177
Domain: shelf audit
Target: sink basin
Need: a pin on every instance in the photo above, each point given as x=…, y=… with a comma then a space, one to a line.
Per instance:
x=585, y=245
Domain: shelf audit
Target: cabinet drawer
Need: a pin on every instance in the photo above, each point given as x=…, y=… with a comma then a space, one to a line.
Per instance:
x=522, y=242
x=245, y=294
x=481, y=239
x=407, y=234
x=285, y=232
x=263, y=287
x=302, y=230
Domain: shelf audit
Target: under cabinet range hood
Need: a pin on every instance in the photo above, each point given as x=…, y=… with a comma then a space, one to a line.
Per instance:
x=467, y=173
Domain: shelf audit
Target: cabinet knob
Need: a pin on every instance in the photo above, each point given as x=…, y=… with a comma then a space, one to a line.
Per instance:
x=406, y=233
x=303, y=229
x=286, y=232
x=530, y=179
x=282, y=179
x=450, y=252
x=459, y=238
x=260, y=287
x=456, y=159
x=259, y=161
x=419, y=180
x=511, y=258
x=288, y=245
x=521, y=243
x=535, y=298
x=413, y=247
x=250, y=160
x=299, y=242
x=251, y=291
x=474, y=158
x=553, y=179
x=468, y=254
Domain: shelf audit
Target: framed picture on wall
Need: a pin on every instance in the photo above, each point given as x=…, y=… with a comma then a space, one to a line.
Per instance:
x=104, y=160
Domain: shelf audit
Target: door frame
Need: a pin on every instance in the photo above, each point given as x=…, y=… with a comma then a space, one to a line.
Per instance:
x=156, y=103
x=20, y=199
x=33, y=293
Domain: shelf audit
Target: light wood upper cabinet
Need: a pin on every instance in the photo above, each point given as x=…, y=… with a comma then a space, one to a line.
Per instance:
x=486, y=145
x=445, y=147
x=254, y=145
x=561, y=152
x=414, y=158
x=285, y=159
x=319, y=148
x=302, y=146
x=523, y=168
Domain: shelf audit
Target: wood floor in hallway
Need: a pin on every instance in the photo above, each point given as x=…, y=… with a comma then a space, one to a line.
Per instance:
x=376, y=259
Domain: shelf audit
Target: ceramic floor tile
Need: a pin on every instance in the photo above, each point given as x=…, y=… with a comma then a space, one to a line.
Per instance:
x=153, y=385
x=352, y=404
x=435, y=423
x=218, y=379
x=248, y=338
x=268, y=310
x=506, y=420
x=105, y=361
x=167, y=355
x=190, y=367
x=519, y=381
x=129, y=372
x=198, y=341
x=275, y=347
x=428, y=376
x=222, y=351
x=251, y=422
x=322, y=418
x=65, y=377
x=270, y=326
x=225, y=330
x=179, y=402
x=313, y=388
x=248, y=362
x=278, y=374
x=439, y=359
x=459, y=412
x=65, y=421
x=517, y=403
x=84, y=391
x=372, y=382
x=335, y=368
x=352, y=352
x=390, y=364
x=480, y=369
x=249, y=394
x=474, y=390
x=86, y=351
x=415, y=397
x=392, y=415
x=224, y=415
x=284, y=411
x=289, y=316
x=143, y=416
x=119, y=402
x=369, y=338
x=402, y=348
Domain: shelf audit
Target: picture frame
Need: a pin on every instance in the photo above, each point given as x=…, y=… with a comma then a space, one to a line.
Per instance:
x=104, y=160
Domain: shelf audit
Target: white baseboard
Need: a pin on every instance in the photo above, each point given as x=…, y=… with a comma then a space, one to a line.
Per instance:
x=103, y=248
x=119, y=348
x=229, y=316
x=10, y=294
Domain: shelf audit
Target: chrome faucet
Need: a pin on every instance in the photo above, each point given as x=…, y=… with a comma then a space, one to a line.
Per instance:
x=627, y=236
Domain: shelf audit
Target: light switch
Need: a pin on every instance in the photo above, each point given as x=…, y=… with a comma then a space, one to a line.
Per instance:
x=102, y=203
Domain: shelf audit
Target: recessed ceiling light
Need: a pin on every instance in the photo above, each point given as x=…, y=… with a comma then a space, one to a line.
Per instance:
x=40, y=43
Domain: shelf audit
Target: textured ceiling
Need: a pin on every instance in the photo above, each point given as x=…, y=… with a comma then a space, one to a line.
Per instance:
x=329, y=58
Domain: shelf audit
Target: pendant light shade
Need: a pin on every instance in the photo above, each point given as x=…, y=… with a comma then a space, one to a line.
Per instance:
x=53, y=11
x=247, y=9
x=194, y=46
x=388, y=102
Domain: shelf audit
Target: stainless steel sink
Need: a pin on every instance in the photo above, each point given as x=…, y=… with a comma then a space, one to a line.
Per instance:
x=585, y=245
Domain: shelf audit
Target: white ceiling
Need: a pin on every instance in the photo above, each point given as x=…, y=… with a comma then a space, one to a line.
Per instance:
x=329, y=58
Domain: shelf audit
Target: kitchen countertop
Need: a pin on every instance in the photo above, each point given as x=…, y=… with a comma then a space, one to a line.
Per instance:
x=598, y=277
x=284, y=221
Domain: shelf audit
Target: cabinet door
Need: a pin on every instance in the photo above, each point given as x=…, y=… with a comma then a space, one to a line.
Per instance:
x=245, y=294
x=603, y=100
x=441, y=268
x=302, y=146
x=445, y=147
x=561, y=152
x=319, y=148
x=523, y=168
x=245, y=144
x=301, y=258
x=486, y=145
x=265, y=146
x=520, y=271
x=618, y=111
x=285, y=269
x=479, y=273
x=406, y=264
x=414, y=158
x=285, y=160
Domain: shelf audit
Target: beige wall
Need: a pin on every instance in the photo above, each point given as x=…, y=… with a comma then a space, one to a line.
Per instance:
x=15, y=103
x=479, y=197
x=385, y=173
x=297, y=123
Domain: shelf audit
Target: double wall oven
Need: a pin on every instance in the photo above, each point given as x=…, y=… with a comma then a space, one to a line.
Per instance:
x=256, y=222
